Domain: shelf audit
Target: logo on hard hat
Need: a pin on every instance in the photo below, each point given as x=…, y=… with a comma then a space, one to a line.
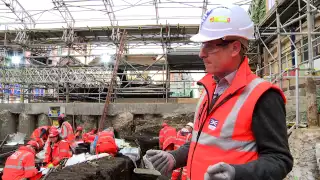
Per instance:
x=223, y=19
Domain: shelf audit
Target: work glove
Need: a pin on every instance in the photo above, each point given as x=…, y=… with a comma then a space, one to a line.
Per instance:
x=161, y=161
x=220, y=171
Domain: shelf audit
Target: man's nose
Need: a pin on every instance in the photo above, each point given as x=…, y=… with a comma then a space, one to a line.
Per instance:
x=202, y=54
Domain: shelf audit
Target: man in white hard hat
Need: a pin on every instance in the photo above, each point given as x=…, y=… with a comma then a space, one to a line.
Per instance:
x=240, y=122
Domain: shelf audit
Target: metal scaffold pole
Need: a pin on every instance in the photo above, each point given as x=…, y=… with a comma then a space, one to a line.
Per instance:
x=310, y=28
x=297, y=87
x=113, y=81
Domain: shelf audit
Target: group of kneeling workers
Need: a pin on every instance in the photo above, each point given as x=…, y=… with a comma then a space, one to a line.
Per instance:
x=170, y=139
x=59, y=143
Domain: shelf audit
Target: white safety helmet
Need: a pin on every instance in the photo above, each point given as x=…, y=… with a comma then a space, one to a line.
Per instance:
x=225, y=21
x=190, y=124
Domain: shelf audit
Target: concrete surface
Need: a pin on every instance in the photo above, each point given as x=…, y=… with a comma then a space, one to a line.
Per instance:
x=96, y=108
x=27, y=123
x=43, y=120
x=302, y=144
x=8, y=123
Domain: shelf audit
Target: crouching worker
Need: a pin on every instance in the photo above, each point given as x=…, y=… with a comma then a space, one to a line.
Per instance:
x=89, y=137
x=66, y=131
x=78, y=134
x=57, y=150
x=105, y=142
x=40, y=135
x=21, y=164
x=167, y=136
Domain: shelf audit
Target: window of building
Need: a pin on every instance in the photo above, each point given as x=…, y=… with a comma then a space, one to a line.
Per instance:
x=305, y=49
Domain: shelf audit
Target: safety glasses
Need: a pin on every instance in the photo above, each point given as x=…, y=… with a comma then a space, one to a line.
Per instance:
x=212, y=47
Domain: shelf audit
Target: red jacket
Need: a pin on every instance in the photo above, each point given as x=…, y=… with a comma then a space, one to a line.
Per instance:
x=106, y=143
x=57, y=152
x=167, y=136
x=88, y=137
x=66, y=132
x=36, y=135
x=225, y=127
x=20, y=164
x=183, y=136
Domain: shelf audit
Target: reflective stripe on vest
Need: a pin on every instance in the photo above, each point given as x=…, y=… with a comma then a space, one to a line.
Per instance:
x=20, y=161
x=170, y=138
x=224, y=141
x=204, y=94
x=228, y=126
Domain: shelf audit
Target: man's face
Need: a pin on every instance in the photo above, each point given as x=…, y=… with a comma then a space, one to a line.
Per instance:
x=189, y=128
x=218, y=56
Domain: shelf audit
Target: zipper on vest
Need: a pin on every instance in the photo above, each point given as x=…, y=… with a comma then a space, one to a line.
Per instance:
x=209, y=111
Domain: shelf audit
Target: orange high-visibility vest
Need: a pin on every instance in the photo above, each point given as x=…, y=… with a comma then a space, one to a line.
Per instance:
x=55, y=154
x=167, y=136
x=106, y=143
x=222, y=132
x=181, y=139
x=20, y=165
x=66, y=132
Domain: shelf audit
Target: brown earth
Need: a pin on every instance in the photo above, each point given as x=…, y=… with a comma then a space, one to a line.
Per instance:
x=108, y=168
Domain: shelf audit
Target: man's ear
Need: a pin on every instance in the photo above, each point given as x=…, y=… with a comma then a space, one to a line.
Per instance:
x=236, y=48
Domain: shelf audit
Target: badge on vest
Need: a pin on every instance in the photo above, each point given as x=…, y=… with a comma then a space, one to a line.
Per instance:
x=213, y=124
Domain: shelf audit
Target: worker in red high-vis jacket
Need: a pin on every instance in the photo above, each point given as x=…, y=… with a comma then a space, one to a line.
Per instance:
x=40, y=135
x=21, y=164
x=183, y=136
x=167, y=136
x=105, y=142
x=66, y=131
x=78, y=135
x=89, y=136
x=57, y=150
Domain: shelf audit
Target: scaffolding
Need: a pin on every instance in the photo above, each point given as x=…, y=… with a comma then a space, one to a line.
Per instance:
x=285, y=47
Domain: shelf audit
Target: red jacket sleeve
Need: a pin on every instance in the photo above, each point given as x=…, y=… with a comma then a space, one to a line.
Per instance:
x=47, y=157
x=64, y=152
x=161, y=138
x=29, y=166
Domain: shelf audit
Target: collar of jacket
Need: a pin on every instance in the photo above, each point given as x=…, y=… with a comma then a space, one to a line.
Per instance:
x=29, y=149
x=239, y=81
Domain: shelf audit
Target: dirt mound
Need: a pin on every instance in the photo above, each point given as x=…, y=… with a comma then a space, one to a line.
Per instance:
x=5, y=152
x=108, y=168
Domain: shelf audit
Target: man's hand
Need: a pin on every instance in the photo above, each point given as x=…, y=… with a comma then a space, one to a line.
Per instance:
x=220, y=171
x=161, y=161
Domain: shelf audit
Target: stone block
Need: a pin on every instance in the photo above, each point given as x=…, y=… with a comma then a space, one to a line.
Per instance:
x=8, y=123
x=89, y=122
x=123, y=123
x=27, y=124
x=43, y=120
x=302, y=92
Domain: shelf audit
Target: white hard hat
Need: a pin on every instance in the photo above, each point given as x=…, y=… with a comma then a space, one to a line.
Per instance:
x=223, y=21
x=190, y=124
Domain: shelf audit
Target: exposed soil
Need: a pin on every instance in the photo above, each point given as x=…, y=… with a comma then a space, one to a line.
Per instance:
x=108, y=168
x=5, y=153
x=146, y=142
